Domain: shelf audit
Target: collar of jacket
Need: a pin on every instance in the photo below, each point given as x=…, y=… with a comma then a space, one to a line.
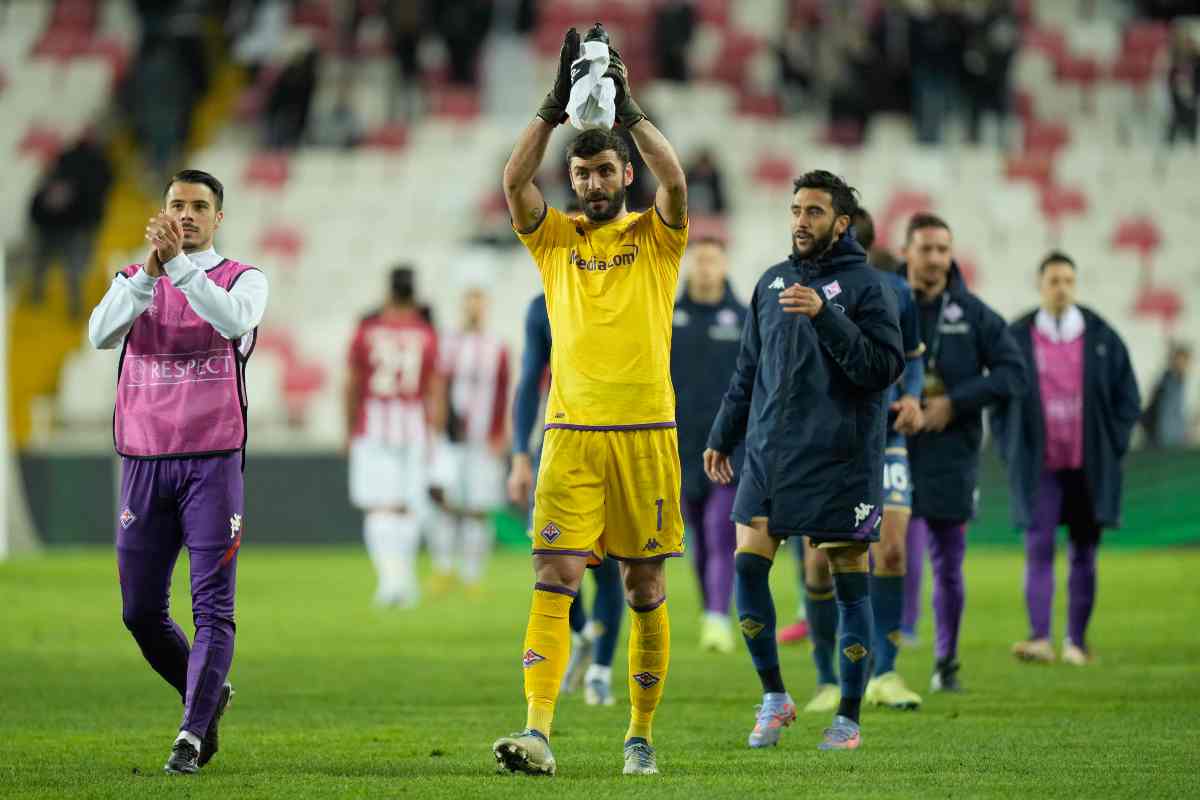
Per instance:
x=846, y=253
x=956, y=287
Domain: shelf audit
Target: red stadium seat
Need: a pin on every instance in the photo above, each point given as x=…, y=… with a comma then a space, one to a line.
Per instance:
x=845, y=133
x=391, y=137
x=1158, y=302
x=1038, y=168
x=267, y=170
x=900, y=206
x=1140, y=234
x=708, y=226
x=1051, y=42
x=40, y=142
x=285, y=241
x=1059, y=201
x=457, y=103
x=774, y=171
x=1046, y=138
x=755, y=104
x=1024, y=105
x=74, y=15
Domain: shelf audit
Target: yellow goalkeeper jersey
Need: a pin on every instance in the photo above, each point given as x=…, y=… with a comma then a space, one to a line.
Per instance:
x=610, y=295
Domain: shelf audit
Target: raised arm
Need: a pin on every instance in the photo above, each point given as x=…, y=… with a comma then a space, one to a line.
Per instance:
x=671, y=197
x=526, y=205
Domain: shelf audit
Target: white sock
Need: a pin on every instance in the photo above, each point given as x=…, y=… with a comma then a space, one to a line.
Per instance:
x=442, y=540
x=477, y=535
x=716, y=618
x=593, y=630
x=374, y=530
x=190, y=738
x=600, y=673
x=399, y=540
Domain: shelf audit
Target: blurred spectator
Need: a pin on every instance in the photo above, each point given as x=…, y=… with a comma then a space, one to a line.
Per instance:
x=797, y=60
x=936, y=50
x=462, y=25
x=340, y=125
x=405, y=21
x=851, y=91
x=992, y=42
x=66, y=211
x=706, y=187
x=290, y=101
x=1183, y=84
x=674, y=25
x=892, y=82
x=1165, y=419
x=257, y=28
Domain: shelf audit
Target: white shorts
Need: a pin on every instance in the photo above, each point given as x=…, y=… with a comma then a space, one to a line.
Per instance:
x=471, y=477
x=384, y=476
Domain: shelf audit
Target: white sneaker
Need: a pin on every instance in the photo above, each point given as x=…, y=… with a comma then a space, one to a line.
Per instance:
x=1075, y=655
x=527, y=752
x=716, y=635
x=825, y=700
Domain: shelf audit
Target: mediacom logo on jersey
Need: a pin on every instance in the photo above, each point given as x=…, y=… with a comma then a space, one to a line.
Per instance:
x=625, y=258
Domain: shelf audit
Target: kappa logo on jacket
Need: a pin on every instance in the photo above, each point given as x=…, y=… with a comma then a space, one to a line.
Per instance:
x=777, y=284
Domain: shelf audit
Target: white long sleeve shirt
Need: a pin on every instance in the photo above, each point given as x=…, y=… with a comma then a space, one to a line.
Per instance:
x=233, y=313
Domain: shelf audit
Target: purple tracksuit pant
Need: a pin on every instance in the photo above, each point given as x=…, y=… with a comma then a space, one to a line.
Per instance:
x=165, y=505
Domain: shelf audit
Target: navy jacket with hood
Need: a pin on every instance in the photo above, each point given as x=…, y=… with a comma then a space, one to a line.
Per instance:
x=1111, y=406
x=704, y=349
x=807, y=397
x=980, y=365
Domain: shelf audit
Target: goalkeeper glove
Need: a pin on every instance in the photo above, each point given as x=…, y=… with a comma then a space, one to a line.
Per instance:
x=629, y=113
x=554, y=107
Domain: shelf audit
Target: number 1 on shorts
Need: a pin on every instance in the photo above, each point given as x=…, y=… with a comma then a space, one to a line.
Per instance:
x=659, y=503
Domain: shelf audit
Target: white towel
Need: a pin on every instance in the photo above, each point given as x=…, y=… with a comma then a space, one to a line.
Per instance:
x=593, y=102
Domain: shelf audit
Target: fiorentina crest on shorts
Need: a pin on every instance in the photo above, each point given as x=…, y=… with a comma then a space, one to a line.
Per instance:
x=127, y=518
x=646, y=679
x=550, y=533
x=530, y=658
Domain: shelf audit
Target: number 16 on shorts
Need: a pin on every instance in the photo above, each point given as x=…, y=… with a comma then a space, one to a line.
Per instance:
x=897, y=490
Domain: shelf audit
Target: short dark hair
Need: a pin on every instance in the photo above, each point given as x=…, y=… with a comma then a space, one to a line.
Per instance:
x=198, y=176
x=924, y=219
x=403, y=283
x=864, y=227
x=1056, y=257
x=843, y=196
x=590, y=144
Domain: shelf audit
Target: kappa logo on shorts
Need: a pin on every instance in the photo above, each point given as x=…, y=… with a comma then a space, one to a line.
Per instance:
x=646, y=679
x=861, y=512
x=235, y=526
x=550, y=533
x=531, y=657
x=651, y=546
x=127, y=518
x=751, y=628
x=777, y=284
x=855, y=652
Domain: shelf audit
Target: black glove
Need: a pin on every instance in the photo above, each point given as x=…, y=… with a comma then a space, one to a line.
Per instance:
x=629, y=113
x=554, y=107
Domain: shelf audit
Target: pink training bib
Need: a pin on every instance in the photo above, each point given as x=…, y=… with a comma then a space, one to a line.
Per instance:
x=180, y=384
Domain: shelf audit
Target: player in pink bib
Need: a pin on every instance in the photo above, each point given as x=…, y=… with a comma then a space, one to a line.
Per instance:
x=186, y=322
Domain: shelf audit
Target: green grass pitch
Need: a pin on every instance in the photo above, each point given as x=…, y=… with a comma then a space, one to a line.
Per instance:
x=336, y=699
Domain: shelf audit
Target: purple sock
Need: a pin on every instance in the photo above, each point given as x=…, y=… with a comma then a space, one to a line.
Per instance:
x=720, y=541
x=1081, y=590
x=947, y=547
x=1039, y=556
x=918, y=536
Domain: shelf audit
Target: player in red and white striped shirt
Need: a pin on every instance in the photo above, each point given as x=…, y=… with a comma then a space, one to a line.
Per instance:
x=395, y=406
x=470, y=469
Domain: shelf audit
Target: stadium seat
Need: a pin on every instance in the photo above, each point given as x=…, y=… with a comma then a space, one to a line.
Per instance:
x=268, y=170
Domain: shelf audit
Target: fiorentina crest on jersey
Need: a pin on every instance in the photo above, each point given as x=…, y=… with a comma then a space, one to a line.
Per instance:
x=550, y=533
x=646, y=679
x=531, y=657
x=831, y=290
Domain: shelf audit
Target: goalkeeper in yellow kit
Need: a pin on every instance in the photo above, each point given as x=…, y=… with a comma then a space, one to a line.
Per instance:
x=609, y=481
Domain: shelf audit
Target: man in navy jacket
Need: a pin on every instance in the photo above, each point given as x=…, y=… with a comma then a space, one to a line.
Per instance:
x=708, y=328
x=1063, y=443
x=820, y=347
x=971, y=362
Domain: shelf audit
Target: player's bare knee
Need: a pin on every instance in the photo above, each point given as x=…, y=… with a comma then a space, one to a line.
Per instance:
x=560, y=570
x=889, y=558
x=645, y=584
x=816, y=566
x=755, y=539
x=851, y=558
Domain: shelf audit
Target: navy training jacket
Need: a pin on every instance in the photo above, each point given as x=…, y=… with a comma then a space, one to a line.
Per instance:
x=704, y=351
x=1111, y=407
x=980, y=365
x=807, y=398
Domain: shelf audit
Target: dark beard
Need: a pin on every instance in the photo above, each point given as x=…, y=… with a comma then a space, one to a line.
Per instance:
x=820, y=246
x=616, y=201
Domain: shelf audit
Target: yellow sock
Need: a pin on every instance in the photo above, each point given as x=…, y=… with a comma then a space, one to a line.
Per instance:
x=649, y=655
x=547, y=648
